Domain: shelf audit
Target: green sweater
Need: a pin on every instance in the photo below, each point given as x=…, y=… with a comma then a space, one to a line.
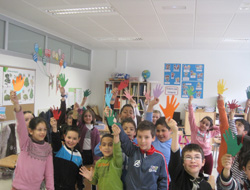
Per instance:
x=108, y=171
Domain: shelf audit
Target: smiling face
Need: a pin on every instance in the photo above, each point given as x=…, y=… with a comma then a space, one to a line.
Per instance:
x=87, y=117
x=69, y=120
x=126, y=113
x=156, y=116
x=71, y=139
x=39, y=133
x=106, y=146
x=193, y=163
x=162, y=133
x=240, y=128
x=204, y=125
x=129, y=129
x=144, y=139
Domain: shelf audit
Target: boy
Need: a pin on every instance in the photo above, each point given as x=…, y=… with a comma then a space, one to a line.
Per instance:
x=67, y=160
x=238, y=126
x=186, y=175
x=226, y=181
x=108, y=169
x=156, y=116
x=147, y=168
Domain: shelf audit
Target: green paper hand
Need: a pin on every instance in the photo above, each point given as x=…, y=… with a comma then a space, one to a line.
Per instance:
x=87, y=93
x=110, y=118
x=232, y=146
x=61, y=78
x=248, y=92
x=190, y=91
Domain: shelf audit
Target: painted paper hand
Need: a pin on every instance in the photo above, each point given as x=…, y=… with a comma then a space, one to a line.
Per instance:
x=221, y=87
x=233, y=104
x=170, y=107
x=110, y=120
x=87, y=93
x=108, y=96
x=248, y=92
x=56, y=113
x=18, y=84
x=62, y=80
x=147, y=95
x=127, y=94
x=190, y=91
x=232, y=146
x=157, y=91
x=123, y=84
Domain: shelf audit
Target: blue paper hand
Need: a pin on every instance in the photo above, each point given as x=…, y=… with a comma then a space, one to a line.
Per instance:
x=108, y=96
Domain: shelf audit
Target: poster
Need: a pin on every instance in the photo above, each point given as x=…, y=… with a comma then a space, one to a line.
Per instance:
x=27, y=95
x=172, y=73
x=193, y=78
x=74, y=95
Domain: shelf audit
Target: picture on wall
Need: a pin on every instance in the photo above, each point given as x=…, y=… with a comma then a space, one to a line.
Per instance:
x=196, y=87
x=172, y=73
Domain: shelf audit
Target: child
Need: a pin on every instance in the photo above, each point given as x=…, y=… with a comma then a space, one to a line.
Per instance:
x=147, y=168
x=34, y=162
x=201, y=135
x=156, y=116
x=90, y=137
x=185, y=171
x=238, y=126
x=163, y=138
x=108, y=169
x=226, y=181
x=67, y=160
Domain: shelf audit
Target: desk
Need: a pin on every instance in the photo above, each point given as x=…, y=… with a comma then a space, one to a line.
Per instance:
x=9, y=161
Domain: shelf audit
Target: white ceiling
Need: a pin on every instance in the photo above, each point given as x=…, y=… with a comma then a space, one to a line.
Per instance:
x=204, y=24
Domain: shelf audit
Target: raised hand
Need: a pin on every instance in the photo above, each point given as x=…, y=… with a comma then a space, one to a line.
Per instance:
x=62, y=90
x=147, y=95
x=227, y=161
x=221, y=86
x=108, y=96
x=233, y=104
x=127, y=94
x=87, y=93
x=190, y=91
x=18, y=84
x=232, y=146
x=116, y=130
x=61, y=78
x=13, y=97
x=190, y=100
x=248, y=92
x=170, y=107
x=157, y=91
x=53, y=123
x=56, y=113
x=172, y=124
x=123, y=84
x=88, y=174
x=110, y=119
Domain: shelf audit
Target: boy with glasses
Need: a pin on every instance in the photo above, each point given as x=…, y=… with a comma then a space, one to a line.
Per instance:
x=185, y=171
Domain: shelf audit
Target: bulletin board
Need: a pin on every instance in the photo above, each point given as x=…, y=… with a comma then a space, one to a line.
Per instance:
x=27, y=94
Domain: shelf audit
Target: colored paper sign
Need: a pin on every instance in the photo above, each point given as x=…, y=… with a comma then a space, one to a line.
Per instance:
x=171, y=90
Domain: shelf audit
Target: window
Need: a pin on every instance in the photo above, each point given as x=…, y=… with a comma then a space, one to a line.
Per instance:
x=2, y=34
x=81, y=58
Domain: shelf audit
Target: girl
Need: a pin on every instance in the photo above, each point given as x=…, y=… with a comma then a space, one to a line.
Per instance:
x=201, y=135
x=34, y=162
x=90, y=137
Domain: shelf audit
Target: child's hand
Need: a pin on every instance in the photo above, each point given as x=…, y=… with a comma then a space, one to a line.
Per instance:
x=154, y=102
x=132, y=102
x=88, y=174
x=227, y=161
x=220, y=97
x=116, y=130
x=53, y=124
x=13, y=97
x=62, y=90
x=190, y=100
x=115, y=92
x=172, y=124
x=76, y=106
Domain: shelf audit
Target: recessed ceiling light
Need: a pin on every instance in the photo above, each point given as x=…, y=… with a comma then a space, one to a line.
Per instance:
x=174, y=7
x=85, y=10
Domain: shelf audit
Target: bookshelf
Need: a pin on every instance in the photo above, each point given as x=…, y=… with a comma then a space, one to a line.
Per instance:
x=137, y=89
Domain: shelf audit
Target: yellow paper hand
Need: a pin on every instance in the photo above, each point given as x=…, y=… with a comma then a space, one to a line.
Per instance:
x=221, y=87
x=170, y=107
x=18, y=84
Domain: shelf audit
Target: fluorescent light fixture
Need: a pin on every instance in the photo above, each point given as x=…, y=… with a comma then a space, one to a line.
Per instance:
x=86, y=10
x=174, y=7
x=244, y=6
x=239, y=40
x=120, y=39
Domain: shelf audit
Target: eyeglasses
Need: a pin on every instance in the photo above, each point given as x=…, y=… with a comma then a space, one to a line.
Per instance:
x=189, y=158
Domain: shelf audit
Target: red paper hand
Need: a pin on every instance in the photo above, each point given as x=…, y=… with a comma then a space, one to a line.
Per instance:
x=18, y=84
x=123, y=84
x=170, y=107
x=56, y=113
x=147, y=95
x=233, y=104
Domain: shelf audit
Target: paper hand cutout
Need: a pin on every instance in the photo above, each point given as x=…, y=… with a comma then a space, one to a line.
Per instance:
x=108, y=96
x=147, y=95
x=110, y=120
x=232, y=146
x=56, y=113
x=87, y=93
x=61, y=78
x=170, y=107
x=190, y=91
x=233, y=104
x=221, y=87
x=157, y=91
x=248, y=92
x=127, y=94
x=18, y=84
x=123, y=84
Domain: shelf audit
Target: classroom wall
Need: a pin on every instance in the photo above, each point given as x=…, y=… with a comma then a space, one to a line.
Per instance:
x=78, y=78
x=232, y=66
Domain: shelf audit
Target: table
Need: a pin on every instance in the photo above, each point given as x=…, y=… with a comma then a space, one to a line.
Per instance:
x=9, y=161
